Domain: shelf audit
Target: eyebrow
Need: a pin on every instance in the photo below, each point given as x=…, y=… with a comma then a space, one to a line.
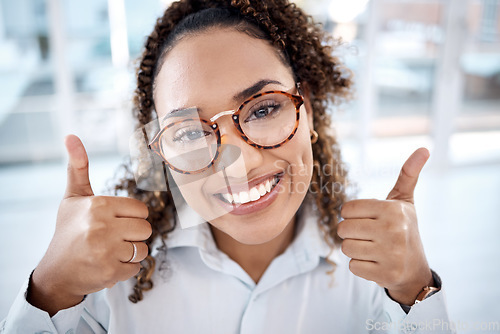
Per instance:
x=254, y=89
x=244, y=94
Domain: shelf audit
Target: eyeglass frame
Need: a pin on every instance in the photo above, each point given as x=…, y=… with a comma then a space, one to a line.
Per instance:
x=297, y=100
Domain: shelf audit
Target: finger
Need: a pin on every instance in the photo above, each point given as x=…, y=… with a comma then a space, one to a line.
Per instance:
x=357, y=228
x=134, y=229
x=126, y=271
x=405, y=185
x=125, y=207
x=362, y=208
x=364, y=269
x=78, y=169
x=126, y=251
x=359, y=249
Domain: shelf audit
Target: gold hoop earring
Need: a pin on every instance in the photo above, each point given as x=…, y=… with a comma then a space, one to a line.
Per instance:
x=314, y=136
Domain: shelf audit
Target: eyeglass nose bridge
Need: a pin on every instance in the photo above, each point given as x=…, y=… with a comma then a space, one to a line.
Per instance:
x=222, y=113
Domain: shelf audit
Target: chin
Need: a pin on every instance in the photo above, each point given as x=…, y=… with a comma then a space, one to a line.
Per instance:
x=252, y=233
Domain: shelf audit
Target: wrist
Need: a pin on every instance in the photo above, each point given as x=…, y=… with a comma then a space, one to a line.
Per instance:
x=42, y=293
x=408, y=294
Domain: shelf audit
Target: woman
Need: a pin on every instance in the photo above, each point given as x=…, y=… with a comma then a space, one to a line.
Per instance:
x=239, y=91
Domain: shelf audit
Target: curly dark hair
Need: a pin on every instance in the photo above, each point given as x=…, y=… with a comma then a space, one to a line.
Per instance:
x=307, y=49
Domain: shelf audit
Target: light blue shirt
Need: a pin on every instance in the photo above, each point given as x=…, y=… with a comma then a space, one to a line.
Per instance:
x=199, y=289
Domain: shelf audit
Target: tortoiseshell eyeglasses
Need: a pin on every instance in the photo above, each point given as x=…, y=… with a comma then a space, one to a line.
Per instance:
x=190, y=145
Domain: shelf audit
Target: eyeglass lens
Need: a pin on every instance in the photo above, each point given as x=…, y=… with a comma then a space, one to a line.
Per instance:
x=190, y=143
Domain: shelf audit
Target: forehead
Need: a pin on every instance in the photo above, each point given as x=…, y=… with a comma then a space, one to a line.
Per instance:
x=213, y=65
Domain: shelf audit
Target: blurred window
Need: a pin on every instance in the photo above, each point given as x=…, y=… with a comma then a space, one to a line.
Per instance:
x=477, y=125
x=68, y=66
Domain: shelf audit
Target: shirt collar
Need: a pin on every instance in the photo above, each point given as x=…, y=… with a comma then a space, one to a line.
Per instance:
x=309, y=238
x=196, y=234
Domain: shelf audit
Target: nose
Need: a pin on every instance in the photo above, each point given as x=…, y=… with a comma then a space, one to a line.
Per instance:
x=237, y=156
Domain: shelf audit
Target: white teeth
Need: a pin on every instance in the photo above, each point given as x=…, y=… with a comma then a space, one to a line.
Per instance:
x=244, y=197
x=236, y=198
x=254, y=194
x=228, y=197
x=262, y=190
x=267, y=185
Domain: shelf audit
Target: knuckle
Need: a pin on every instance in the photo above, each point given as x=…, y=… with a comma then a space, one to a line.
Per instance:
x=142, y=257
x=343, y=247
x=348, y=207
x=129, y=270
x=142, y=208
x=397, y=210
x=147, y=229
x=145, y=211
x=136, y=268
x=340, y=229
x=133, y=270
x=145, y=250
x=353, y=267
x=388, y=206
x=346, y=247
x=148, y=234
x=343, y=209
x=97, y=203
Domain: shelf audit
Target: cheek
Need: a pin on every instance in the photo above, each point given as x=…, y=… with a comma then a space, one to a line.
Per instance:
x=296, y=158
x=301, y=169
x=187, y=187
x=302, y=159
x=191, y=189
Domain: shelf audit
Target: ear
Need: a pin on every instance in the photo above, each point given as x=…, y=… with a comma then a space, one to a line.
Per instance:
x=305, y=91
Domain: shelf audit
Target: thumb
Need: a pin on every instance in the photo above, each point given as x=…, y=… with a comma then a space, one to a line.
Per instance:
x=78, y=168
x=407, y=180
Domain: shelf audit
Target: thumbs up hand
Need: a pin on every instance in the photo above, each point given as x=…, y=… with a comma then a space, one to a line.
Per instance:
x=93, y=243
x=381, y=237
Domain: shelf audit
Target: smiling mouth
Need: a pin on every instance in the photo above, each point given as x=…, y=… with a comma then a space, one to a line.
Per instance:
x=253, y=194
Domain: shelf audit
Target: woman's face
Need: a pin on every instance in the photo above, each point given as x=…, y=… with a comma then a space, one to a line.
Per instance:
x=215, y=71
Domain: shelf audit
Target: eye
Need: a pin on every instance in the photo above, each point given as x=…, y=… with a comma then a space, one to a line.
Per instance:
x=187, y=135
x=263, y=110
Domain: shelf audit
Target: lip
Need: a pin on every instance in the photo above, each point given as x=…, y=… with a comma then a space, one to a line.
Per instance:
x=236, y=188
x=260, y=204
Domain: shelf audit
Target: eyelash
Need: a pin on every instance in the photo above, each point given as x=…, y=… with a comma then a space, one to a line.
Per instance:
x=264, y=104
x=183, y=132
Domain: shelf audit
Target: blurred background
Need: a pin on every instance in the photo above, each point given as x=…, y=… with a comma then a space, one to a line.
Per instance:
x=427, y=74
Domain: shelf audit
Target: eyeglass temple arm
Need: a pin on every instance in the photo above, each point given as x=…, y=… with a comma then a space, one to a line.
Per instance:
x=299, y=89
